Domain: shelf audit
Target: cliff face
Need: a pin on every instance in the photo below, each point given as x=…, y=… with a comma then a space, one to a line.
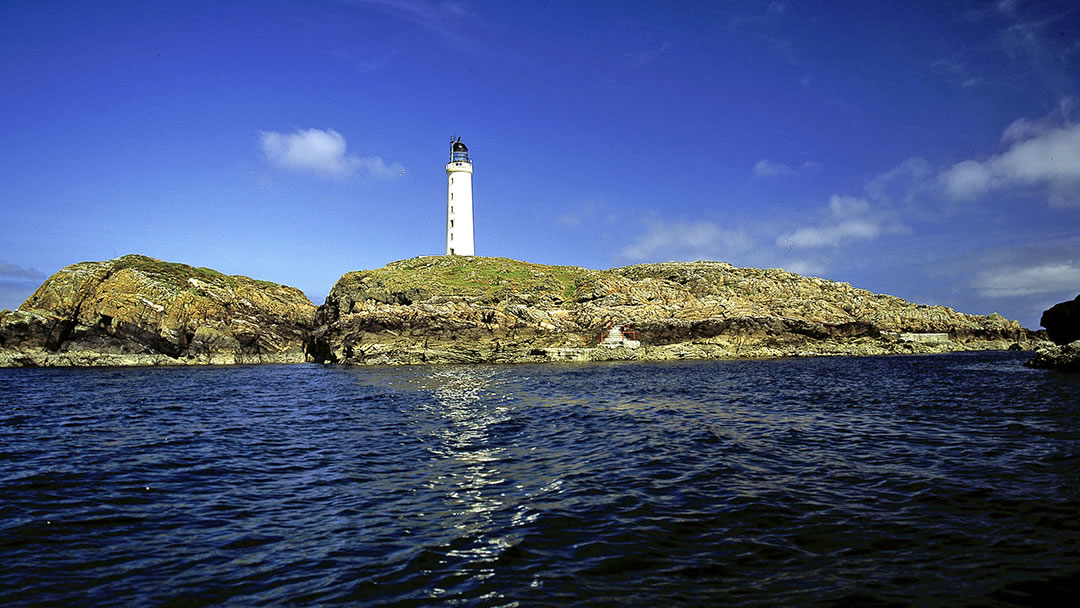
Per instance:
x=473, y=309
x=138, y=310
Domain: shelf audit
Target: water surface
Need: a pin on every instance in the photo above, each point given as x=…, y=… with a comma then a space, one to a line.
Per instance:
x=945, y=480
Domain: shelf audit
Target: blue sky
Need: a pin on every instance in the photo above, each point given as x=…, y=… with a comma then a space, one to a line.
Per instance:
x=927, y=150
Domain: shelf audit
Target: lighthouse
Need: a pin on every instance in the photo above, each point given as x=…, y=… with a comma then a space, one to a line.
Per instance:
x=459, y=224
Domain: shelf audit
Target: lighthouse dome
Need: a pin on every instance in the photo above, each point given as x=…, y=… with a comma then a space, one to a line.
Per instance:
x=459, y=152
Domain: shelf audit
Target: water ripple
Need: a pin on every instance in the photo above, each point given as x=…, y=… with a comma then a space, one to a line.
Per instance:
x=937, y=480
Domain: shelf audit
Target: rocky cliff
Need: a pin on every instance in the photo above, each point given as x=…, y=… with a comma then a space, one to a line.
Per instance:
x=136, y=310
x=476, y=309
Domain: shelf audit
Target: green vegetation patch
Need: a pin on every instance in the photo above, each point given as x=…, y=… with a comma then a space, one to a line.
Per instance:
x=481, y=277
x=172, y=272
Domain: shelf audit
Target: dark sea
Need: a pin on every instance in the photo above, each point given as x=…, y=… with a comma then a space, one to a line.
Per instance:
x=944, y=480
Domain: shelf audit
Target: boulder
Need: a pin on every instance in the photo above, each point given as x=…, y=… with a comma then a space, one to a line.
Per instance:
x=1062, y=321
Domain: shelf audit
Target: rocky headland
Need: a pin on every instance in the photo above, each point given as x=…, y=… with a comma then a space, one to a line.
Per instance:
x=137, y=310
x=442, y=309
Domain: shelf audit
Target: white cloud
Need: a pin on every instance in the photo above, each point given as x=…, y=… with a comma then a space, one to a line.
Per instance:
x=851, y=219
x=1044, y=278
x=320, y=152
x=685, y=240
x=967, y=180
x=833, y=234
x=902, y=183
x=1037, y=156
x=766, y=168
x=1023, y=128
x=804, y=268
x=376, y=166
x=848, y=206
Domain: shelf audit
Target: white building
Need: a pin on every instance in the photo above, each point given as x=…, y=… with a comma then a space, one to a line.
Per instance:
x=459, y=219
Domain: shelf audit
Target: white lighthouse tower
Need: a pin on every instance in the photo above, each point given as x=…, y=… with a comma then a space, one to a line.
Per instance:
x=459, y=224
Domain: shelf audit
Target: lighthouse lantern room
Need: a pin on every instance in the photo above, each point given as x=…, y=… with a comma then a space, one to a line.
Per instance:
x=459, y=216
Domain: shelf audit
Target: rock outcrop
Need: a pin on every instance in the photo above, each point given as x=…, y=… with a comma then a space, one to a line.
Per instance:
x=1064, y=357
x=137, y=310
x=1062, y=321
x=474, y=309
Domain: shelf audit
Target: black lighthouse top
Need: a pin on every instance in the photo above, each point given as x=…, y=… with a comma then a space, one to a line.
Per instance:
x=459, y=152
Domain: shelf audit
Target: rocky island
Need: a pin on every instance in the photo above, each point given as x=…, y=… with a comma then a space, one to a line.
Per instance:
x=443, y=309
x=136, y=310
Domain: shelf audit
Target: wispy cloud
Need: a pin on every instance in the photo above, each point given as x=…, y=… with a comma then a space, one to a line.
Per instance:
x=1043, y=40
x=17, y=283
x=903, y=183
x=13, y=271
x=804, y=267
x=363, y=63
x=766, y=26
x=631, y=62
x=642, y=58
x=1028, y=280
x=322, y=153
x=850, y=218
x=439, y=18
x=687, y=240
x=757, y=18
x=1033, y=37
x=767, y=168
x=958, y=70
x=589, y=213
x=1037, y=156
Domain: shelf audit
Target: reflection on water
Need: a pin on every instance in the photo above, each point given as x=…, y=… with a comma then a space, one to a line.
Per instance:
x=468, y=468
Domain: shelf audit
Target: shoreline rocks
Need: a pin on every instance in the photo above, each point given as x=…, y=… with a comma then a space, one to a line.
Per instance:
x=1064, y=357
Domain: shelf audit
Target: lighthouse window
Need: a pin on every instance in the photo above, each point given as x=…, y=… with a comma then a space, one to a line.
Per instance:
x=451, y=196
x=451, y=223
x=451, y=181
x=451, y=236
